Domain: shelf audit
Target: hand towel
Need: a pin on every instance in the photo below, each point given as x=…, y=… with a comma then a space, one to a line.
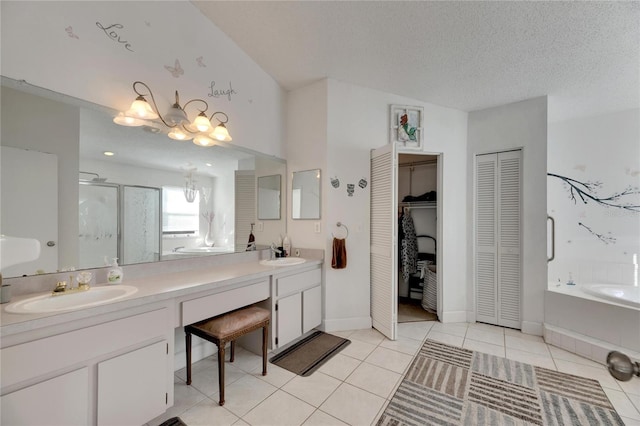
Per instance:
x=339, y=260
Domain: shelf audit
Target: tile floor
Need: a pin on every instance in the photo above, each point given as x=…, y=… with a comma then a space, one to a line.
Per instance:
x=354, y=386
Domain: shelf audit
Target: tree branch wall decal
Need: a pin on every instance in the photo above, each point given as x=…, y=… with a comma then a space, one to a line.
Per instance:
x=588, y=192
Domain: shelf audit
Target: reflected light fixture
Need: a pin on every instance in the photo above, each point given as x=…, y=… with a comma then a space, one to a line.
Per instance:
x=176, y=119
x=190, y=191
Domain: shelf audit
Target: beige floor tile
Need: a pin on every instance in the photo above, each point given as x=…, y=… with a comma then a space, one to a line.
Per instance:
x=632, y=386
x=402, y=344
x=635, y=399
x=241, y=423
x=630, y=422
x=279, y=409
x=517, y=342
x=314, y=389
x=544, y=361
x=277, y=376
x=206, y=380
x=389, y=359
x=622, y=404
x=448, y=339
x=247, y=361
x=415, y=330
x=340, y=366
x=203, y=364
x=484, y=347
x=344, y=333
x=374, y=379
x=208, y=413
x=481, y=335
x=320, y=418
x=353, y=405
x=358, y=350
x=243, y=395
x=369, y=335
x=600, y=374
x=520, y=334
x=455, y=328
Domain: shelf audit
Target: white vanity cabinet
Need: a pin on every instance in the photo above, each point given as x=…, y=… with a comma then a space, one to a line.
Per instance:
x=297, y=304
x=116, y=371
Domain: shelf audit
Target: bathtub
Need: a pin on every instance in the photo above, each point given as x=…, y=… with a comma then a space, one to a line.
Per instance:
x=623, y=294
x=592, y=319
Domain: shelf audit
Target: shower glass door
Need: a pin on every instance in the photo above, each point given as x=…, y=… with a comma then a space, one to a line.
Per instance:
x=98, y=224
x=142, y=224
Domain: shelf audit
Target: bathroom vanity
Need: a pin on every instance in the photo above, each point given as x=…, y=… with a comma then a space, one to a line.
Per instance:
x=114, y=363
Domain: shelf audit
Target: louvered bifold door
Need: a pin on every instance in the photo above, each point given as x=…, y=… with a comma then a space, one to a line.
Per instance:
x=509, y=261
x=384, y=224
x=486, y=244
x=245, y=206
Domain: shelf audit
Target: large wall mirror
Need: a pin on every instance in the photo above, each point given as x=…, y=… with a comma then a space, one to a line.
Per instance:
x=152, y=199
x=269, y=197
x=305, y=194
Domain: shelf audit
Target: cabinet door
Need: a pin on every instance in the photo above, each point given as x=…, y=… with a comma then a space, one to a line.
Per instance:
x=289, y=316
x=132, y=388
x=311, y=308
x=63, y=400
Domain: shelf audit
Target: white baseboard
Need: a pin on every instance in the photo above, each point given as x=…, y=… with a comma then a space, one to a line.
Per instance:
x=346, y=324
x=533, y=328
x=454, y=316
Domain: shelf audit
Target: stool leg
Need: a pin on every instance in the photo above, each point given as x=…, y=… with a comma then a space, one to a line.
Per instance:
x=265, y=335
x=221, y=371
x=188, y=345
x=232, y=357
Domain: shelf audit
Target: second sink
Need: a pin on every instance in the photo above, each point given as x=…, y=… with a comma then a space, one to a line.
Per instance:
x=283, y=261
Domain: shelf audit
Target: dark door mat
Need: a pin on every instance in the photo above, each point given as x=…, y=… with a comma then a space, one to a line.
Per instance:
x=310, y=353
x=174, y=421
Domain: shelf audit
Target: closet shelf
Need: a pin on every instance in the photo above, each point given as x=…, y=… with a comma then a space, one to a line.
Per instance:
x=419, y=204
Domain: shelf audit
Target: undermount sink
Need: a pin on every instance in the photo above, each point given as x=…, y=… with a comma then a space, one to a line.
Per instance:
x=66, y=302
x=283, y=261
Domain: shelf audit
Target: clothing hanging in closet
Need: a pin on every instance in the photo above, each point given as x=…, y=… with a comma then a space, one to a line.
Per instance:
x=409, y=246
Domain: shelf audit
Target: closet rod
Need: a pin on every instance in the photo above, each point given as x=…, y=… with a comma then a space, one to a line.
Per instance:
x=419, y=163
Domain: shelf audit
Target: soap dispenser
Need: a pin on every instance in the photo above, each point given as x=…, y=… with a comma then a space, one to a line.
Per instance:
x=114, y=274
x=286, y=245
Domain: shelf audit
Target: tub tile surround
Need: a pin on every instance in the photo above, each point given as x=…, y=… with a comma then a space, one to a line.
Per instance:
x=355, y=391
x=583, y=324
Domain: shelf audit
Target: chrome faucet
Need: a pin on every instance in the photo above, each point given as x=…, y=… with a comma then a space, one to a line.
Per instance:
x=274, y=249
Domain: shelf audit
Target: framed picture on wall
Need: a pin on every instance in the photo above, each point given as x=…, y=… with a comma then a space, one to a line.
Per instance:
x=406, y=126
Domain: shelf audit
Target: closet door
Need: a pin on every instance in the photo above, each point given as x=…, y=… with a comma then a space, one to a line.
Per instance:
x=498, y=238
x=384, y=253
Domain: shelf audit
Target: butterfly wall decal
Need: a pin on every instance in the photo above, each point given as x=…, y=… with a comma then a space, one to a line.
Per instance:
x=70, y=33
x=176, y=70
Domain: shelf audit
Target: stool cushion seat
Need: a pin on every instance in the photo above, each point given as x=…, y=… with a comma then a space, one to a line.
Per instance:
x=232, y=322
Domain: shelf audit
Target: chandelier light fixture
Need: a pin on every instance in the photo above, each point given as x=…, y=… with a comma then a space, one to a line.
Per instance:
x=180, y=127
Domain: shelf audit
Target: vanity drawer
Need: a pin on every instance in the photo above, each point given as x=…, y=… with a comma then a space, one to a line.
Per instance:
x=209, y=306
x=298, y=282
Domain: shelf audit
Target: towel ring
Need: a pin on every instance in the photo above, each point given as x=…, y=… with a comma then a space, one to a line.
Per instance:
x=340, y=224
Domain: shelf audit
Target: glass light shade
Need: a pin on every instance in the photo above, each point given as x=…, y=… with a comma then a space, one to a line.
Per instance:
x=203, y=140
x=124, y=120
x=175, y=115
x=140, y=108
x=177, y=134
x=202, y=123
x=221, y=133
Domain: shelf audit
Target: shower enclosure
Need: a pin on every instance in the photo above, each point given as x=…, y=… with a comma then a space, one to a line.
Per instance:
x=122, y=221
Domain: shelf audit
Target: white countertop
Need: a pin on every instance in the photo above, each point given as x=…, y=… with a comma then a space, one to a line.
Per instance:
x=150, y=289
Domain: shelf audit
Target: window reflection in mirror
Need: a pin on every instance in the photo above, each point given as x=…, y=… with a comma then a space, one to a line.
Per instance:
x=305, y=195
x=269, y=197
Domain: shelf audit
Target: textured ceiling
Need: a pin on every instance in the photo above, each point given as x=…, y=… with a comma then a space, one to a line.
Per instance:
x=464, y=55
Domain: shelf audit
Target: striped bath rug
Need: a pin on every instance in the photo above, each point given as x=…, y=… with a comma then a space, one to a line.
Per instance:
x=446, y=385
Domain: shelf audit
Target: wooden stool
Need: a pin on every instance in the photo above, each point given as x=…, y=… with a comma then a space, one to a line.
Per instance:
x=227, y=328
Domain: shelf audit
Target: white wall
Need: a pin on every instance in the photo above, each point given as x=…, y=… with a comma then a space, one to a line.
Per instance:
x=93, y=67
x=56, y=132
x=606, y=149
x=333, y=126
x=517, y=125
